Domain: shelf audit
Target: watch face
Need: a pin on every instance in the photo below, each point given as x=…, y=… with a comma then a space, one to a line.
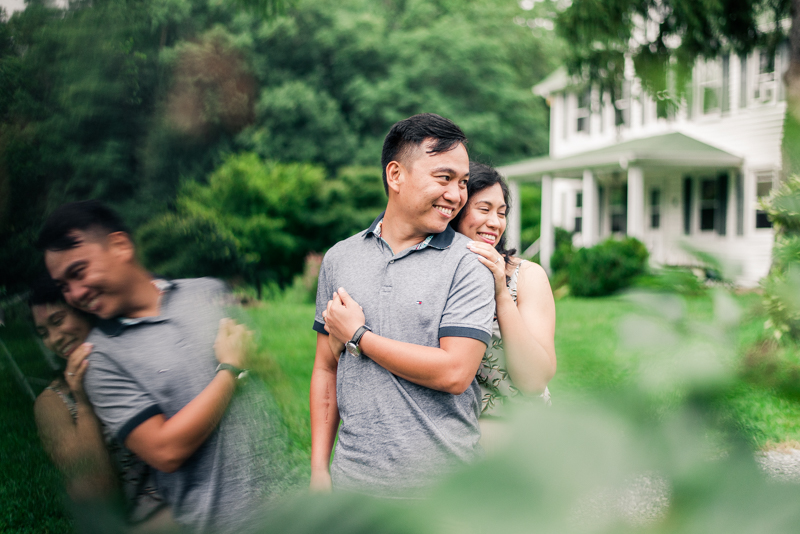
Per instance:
x=352, y=348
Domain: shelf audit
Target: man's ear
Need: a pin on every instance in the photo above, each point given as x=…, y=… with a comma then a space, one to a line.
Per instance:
x=395, y=175
x=121, y=245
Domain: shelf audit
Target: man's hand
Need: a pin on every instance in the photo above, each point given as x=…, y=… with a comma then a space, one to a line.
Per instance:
x=320, y=481
x=233, y=343
x=343, y=316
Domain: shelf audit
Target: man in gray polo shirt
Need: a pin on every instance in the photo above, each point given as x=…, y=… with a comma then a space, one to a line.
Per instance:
x=409, y=403
x=153, y=378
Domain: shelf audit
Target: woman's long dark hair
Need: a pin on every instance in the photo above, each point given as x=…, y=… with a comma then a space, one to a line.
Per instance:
x=480, y=177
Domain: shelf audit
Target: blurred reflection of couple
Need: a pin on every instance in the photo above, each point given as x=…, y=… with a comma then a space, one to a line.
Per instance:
x=159, y=365
x=424, y=322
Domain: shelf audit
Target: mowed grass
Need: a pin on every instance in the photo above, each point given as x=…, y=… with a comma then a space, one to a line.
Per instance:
x=31, y=491
x=591, y=362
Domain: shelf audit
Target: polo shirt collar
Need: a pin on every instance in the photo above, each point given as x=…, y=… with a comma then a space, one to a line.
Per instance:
x=115, y=326
x=439, y=241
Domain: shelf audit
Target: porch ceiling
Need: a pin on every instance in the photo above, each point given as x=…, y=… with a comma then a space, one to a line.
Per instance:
x=667, y=150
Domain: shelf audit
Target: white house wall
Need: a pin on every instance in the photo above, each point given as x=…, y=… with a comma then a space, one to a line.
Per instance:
x=747, y=129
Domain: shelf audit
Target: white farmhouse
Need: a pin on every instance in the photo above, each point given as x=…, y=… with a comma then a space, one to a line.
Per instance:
x=693, y=179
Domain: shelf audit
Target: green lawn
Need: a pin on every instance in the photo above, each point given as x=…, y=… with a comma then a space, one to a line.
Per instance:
x=31, y=492
x=592, y=361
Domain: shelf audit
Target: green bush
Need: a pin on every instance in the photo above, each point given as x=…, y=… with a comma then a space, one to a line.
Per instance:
x=564, y=251
x=178, y=246
x=607, y=267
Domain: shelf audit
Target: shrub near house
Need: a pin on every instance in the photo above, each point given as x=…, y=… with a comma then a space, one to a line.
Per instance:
x=607, y=267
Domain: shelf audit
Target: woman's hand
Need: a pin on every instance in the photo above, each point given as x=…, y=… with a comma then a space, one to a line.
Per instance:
x=336, y=346
x=77, y=364
x=233, y=343
x=494, y=261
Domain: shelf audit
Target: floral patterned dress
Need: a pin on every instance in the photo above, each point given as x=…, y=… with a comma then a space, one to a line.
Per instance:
x=496, y=385
x=137, y=480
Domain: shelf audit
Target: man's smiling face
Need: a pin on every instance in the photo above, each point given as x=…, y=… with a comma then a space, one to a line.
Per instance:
x=434, y=187
x=92, y=274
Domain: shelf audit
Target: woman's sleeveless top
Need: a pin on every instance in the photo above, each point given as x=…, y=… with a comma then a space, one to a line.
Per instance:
x=137, y=480
x=496, y=385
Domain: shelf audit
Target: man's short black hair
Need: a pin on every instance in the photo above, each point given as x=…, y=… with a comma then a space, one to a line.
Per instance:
x=86, y=215
x=411, y=132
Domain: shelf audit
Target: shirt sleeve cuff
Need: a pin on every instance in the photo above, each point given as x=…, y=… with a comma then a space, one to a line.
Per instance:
x=464, y=331
x=137, y=420
x=320, y=328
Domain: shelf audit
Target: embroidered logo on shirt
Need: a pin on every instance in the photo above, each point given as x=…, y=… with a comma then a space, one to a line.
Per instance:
x=163, y=370
x=418, y=302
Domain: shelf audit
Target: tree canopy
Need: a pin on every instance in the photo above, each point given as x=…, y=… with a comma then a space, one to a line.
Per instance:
x=133, y=101
x=664, y=38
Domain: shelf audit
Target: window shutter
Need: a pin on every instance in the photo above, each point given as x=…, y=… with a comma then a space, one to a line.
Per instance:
x=739, y=204
x=743, y=80
x=726, y=83
x=687, y=205
x=722, y=203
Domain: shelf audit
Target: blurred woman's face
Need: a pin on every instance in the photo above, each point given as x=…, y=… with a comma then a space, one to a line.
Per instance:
x=485, y=216
x=62, y=329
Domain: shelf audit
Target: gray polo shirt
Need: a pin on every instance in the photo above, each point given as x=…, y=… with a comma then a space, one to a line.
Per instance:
x=395, y=435
x=157, y=365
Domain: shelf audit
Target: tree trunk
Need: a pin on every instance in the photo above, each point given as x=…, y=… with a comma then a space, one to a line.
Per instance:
x=790, y=145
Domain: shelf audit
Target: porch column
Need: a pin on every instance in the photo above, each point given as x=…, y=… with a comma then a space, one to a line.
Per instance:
x=547, y=236
x=590, y=210
x=635, y=221
x=514, y=226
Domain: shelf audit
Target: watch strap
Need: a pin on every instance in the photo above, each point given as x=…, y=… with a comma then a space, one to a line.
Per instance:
x=237, y=373
x=359, y=334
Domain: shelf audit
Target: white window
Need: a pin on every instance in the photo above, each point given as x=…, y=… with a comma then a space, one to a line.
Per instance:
x=618, y=208
x=765, y=181
x=622, y=106
x=708, y=204
x=709, y=82
x=655, y=208
x=765, y=87
x=579, y=212
x=583, y=112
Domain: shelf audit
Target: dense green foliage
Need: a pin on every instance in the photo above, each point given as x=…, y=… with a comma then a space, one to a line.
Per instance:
x=187, y=247
x=663, y=37
x=273, y=214
x=782, y=284
x=606, y=267
x=130, y=100
x=530, y=205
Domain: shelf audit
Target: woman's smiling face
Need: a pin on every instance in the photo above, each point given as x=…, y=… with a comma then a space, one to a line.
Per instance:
x=61, y=328
x=485, y=217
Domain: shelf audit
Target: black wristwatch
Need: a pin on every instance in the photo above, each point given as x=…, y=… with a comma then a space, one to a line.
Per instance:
x=239, y=374
x=352, y=345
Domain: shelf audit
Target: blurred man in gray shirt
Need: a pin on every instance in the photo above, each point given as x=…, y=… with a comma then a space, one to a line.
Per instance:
x=164, y=369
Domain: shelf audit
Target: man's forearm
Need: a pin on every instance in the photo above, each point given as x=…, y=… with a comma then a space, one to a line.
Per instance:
x=166, y=443
x=324, y=417
x=450, y=368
